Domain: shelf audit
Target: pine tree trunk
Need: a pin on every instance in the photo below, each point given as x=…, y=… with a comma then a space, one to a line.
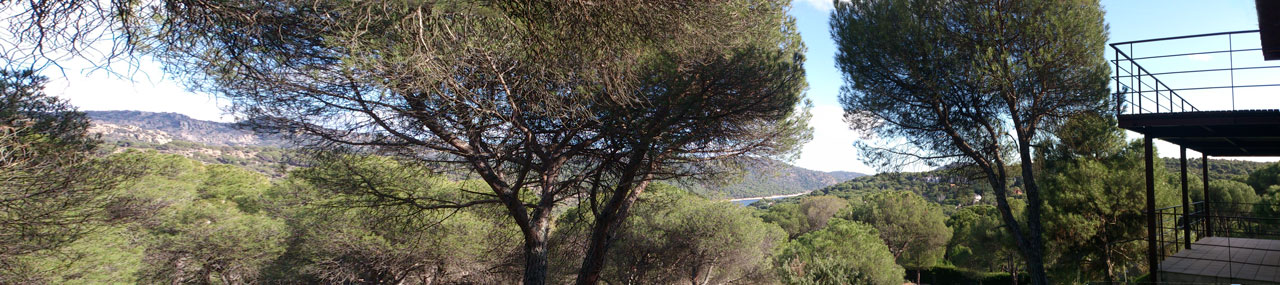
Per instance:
x=607, y=222
x=535, y=258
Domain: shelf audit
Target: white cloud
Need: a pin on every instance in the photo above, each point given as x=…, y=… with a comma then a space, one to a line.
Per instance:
x=821, y=5
x=149, y=91
x=832, y=146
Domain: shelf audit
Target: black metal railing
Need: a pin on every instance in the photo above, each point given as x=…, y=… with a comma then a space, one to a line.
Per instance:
x=1176, y=230
x=1197, y=70
x=1180, y=229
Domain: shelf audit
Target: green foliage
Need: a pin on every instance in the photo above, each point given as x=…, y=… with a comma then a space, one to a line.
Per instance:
x=107, y=256
x=787, y=216
x=948, y=275
x=1264, y=178
x=211, y=240
x=53, y=190
x=234, y=184
x=344, y=234
x=676, y=237
x=1232, y=196
x=1094, y=193
x=915, y=230
x=272, y=161
x=845, y=252
x=1218, y=168
x=1094, y=211
x=1269, y=204
x=943, y=186
x=26, y=109
x=538, y=98
x=810, y=214
x=186, y=228
x=981, y=243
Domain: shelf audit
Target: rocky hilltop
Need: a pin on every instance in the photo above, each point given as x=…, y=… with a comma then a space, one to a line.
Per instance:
x=215, y=142
x=162, y=128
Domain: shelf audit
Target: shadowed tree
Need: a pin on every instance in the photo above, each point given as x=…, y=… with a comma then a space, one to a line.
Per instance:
x=1093, y=191
x=544, y=101
x=1264, y=178
x=53, y=190
x=346, y=231
x=972, y=83
x=981, y=242
x=680, y=238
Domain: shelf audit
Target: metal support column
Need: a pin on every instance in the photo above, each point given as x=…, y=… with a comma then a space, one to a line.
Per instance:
x=1186, y=204
x=1208, y=210
x=1153, y=264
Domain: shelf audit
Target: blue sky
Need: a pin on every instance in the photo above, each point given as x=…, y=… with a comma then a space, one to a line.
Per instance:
x=831, y=148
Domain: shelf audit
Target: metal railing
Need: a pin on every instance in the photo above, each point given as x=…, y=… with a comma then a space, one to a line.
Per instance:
x=1139, y=91
x=1175, y=231
x=1179, y=229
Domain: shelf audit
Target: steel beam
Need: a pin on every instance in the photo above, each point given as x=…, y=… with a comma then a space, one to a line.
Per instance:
x=1186, y=204
x=1153, y=263
x=1208, y=210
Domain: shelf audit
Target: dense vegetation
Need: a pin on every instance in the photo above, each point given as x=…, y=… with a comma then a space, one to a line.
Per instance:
x=495, y=142
x=351, y=218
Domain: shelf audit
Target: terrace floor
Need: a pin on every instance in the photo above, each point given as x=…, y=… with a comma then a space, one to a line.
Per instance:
x=1215, y=260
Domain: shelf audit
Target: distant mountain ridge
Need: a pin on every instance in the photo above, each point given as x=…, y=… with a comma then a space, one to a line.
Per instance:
x=775, y=178
x=161, y=128
x=216, y=142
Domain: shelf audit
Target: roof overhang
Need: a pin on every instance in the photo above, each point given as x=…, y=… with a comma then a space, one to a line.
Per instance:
x=1269, y=27
x=1216, y=133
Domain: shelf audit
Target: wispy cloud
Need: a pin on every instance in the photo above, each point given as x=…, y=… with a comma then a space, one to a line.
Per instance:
x=821, y=5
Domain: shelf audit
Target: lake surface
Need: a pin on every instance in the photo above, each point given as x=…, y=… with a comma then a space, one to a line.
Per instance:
x=748, y=201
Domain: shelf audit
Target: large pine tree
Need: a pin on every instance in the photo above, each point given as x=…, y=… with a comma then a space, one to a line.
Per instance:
x=971, y=83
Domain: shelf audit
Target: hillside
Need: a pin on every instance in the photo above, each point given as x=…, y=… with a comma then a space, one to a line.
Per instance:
x=1218, y=168
x=773, y=179
x=161, y=128
x=224, y=143
x=947, y=188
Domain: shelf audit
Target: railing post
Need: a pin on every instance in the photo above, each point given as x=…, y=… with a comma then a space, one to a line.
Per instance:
x=1153, y=264
x=1186, y=204
x=1208, y=215
x=1119, y=96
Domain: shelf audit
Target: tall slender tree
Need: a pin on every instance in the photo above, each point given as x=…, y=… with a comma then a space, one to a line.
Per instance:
x=972, y=83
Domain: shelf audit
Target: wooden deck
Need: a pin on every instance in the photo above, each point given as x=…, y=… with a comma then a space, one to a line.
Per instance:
x=1216, y=260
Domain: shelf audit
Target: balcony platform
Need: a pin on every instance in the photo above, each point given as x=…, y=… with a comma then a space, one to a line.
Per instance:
x=1215, y=133
x=1218, y=260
